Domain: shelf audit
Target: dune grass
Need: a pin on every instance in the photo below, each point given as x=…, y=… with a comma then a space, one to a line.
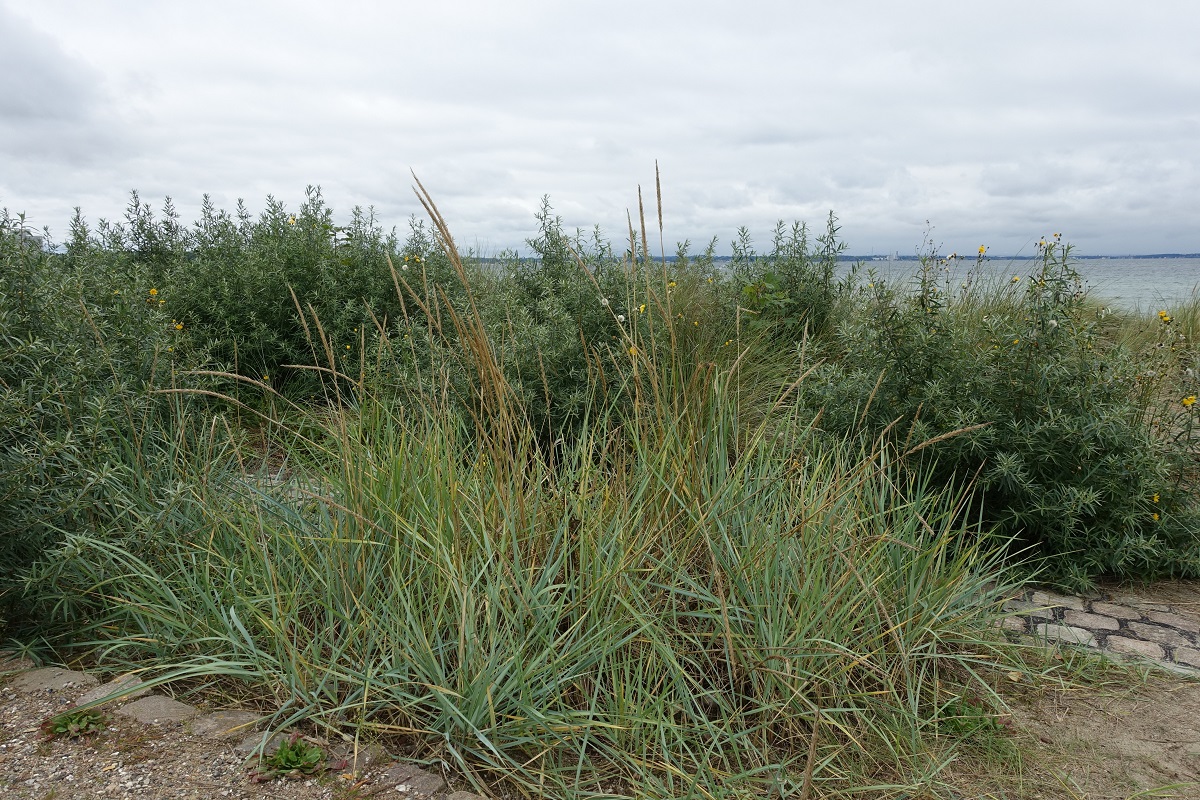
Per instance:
x=697, y=595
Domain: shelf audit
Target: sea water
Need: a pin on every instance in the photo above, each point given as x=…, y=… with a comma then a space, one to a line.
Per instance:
x=1138, y=283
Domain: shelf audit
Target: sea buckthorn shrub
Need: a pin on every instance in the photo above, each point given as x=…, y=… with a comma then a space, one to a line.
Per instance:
x=245, y=282
x=794, y=288
x=1009, y=387
x=85, y=342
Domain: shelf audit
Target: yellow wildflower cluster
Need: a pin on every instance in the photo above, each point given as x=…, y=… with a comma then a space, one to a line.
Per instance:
x=1164, y=317
x=1188, y=401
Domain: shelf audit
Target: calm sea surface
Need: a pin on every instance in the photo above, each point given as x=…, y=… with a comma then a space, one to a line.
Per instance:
x=1130, y=283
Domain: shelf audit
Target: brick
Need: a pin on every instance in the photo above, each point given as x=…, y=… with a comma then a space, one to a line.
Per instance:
x=1117, y=610
x=1065, y=633
x=1057, y=601
x=1095, y=622
x=1128, y=646
x=1174, y=620
x=1160, y=634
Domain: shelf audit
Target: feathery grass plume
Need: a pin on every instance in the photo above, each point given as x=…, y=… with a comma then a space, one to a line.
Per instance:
x=658, y=195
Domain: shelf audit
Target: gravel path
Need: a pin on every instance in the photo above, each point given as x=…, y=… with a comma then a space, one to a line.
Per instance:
x=153, y=747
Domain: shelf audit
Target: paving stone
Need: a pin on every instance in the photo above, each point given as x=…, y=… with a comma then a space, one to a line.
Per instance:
x=250, y=744
x=1026, y=608
x=1117, y=610
x=1187, y=655
x=1018, y=624
x=114, y=686
x=157, y=709
x=224, y=724
x=1065, y=633
x=53, y=679
x=1160, y=634
x=465, y=796
x=369, y=756
x=417, y=781
x=1136, y=601
x=13, y=663
x=1095, y=622
x=1128, y=646
x=1174, y=620
x=1057, y=600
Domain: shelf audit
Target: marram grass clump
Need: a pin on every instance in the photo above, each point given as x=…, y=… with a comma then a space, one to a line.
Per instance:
x=675, y=602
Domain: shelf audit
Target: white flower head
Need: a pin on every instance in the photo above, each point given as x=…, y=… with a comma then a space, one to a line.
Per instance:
x=604, y=302
x=620, y=317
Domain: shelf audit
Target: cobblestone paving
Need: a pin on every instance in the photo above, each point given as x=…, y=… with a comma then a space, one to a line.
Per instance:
x=1121, y=624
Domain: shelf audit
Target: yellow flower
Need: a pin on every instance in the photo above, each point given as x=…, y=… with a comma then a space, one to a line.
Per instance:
x=1016, y=279
x=1016, y=340
x=633, y=351
x=178, y=326
x=266, y=378
x=982, y=249
x=1155, y=498
x=728, y=342
x=291, y=220
x=696, y=323
x=1154, y=516
x=1188, y=401
x=642, y=308
x=347, y=347
x=671, y=284
x=154, y=292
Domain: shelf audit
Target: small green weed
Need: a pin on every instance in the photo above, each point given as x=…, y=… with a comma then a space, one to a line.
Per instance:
x=73, y=724
x=294, y=759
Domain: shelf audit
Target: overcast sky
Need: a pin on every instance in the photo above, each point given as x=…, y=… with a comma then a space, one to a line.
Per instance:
x=996, y=122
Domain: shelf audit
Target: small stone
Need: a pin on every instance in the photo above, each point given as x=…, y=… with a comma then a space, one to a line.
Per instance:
x=156, y=710
x=1117, y=610
x=1160, y=634
x=1174, y=620
x=1065, y=633
x=1057, y=601
x=1095, y=622
x=1126, y=645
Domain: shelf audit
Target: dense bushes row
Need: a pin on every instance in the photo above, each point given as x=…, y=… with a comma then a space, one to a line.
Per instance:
x=1078, y=453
